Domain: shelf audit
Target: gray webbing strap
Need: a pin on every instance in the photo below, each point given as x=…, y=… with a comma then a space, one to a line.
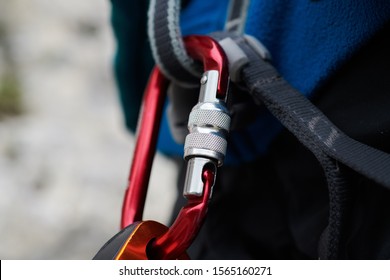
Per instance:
x=236, y=17
x=167, y=44
x=307, y=122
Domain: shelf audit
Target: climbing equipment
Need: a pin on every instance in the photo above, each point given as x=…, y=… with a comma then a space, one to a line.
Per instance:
x=205, y=149
x=209, y=123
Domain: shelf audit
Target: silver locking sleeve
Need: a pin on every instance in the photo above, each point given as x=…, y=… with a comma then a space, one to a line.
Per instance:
x=208, y=123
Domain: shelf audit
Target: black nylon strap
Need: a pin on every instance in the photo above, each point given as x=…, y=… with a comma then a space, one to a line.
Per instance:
x=308, y=123
x=323, y=138
x=332, y=148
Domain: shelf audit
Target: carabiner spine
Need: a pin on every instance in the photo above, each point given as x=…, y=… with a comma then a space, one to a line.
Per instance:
x=147, y=136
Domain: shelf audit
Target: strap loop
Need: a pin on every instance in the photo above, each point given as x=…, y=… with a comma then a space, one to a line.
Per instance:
x=167, y=44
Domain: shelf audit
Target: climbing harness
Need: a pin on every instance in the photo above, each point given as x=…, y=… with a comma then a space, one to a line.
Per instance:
x=209, y=123
x=336, y=152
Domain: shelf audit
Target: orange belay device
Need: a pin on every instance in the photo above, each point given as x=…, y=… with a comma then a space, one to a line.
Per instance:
x=204, y=149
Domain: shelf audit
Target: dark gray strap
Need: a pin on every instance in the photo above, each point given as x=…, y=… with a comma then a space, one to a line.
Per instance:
x=167, y=44
x=308, y=123
x=334, y=150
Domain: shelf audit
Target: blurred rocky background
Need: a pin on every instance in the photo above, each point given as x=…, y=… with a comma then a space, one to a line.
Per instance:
x=64, y=151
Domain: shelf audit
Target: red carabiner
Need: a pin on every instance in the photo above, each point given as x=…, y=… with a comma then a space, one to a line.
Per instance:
x=147, y=135
x=188, y=222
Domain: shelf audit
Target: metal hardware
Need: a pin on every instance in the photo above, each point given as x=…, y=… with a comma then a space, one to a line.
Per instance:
x=208, y=126
x=209, y=118
x=182, y=232
x=147, y=134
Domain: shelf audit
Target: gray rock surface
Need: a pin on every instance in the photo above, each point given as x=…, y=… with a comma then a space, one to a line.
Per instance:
x=64, y=163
